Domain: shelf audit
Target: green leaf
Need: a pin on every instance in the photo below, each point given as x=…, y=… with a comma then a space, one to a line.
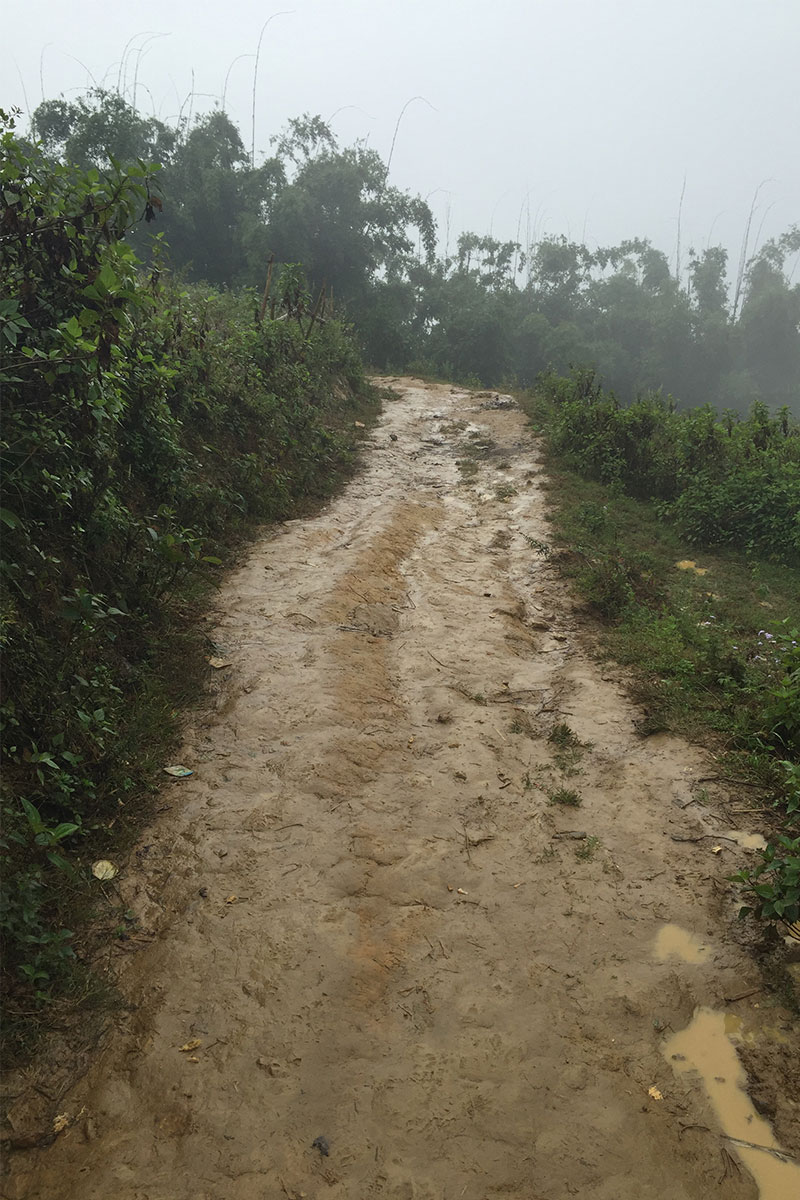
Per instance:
x=107, y=278
x=32, y=813
x=63, y=830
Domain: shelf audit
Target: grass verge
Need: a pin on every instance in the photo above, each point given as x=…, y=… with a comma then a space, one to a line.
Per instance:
x=709, y=634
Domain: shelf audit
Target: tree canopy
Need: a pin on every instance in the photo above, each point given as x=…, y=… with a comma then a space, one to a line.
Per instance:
x=493, y=310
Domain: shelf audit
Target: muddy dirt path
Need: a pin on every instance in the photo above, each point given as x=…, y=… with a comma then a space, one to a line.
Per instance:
x=379, y=931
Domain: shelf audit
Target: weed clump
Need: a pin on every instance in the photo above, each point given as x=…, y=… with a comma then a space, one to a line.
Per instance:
x=565, y=796
x=504, y=491
x=562, y=735
x=569, y=749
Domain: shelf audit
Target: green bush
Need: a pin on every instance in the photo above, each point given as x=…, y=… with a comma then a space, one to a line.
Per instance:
x=754, y=508
x=721, y=482
x=146, y=426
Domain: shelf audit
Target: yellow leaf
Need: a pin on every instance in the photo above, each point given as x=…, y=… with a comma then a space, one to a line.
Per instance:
x=192, y=1045
x=654, y=1093
x=103, y=869
x=231, y=899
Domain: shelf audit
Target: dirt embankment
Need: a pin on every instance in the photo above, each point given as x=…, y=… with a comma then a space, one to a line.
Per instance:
x=383, y=923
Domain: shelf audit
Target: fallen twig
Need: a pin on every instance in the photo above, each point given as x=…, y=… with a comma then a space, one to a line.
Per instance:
x=684, y=1128
x=742, y=995
x=779, y=1154
x=719, y=837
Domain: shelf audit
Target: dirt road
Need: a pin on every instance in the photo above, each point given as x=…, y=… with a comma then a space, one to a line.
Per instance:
x=377, y=927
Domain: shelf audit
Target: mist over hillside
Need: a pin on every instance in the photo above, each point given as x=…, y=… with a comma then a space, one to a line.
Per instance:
x=701, y=329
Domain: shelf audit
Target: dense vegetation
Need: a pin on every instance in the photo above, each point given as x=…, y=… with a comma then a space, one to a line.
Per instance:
x=715, y=640
x=146, y=424
x=487, y=311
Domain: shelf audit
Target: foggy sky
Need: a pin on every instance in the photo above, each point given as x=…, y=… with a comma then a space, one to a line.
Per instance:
x=595, y=110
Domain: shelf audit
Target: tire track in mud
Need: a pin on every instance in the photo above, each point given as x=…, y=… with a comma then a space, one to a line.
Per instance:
x=368, y=920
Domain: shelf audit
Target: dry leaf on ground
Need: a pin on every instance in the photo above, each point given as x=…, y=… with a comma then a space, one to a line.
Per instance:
x=103, y=869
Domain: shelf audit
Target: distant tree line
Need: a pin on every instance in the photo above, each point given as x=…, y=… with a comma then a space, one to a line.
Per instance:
x=493, y=311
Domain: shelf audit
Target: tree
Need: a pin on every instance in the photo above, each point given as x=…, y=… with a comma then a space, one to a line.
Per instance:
x=768, y=334
x=100, y=127
x=216, y=206
x=339, y=218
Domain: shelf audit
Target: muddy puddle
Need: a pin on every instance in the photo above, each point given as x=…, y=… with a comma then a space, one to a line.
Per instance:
x=748, y=841
x=674, y=942
x=706, y=1047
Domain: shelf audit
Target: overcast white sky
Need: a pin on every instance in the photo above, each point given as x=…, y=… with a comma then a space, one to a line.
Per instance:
x=594, y=109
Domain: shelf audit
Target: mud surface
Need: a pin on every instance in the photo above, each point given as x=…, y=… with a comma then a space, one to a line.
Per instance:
x=377, y=932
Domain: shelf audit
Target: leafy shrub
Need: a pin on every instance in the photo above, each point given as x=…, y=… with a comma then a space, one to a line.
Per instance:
x=755, y=508
x=145, y=425
x=775, y=882
x=730, y=482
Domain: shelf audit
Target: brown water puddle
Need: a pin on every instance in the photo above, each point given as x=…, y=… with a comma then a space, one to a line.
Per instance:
x=748, y=841
x=674, y=942
x=705, y=1046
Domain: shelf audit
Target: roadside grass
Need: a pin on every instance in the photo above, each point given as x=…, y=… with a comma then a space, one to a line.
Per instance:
x=708, y=632
x=171, y=685
x=697, y=642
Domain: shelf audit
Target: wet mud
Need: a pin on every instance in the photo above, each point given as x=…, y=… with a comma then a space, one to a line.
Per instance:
x=384, y=962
